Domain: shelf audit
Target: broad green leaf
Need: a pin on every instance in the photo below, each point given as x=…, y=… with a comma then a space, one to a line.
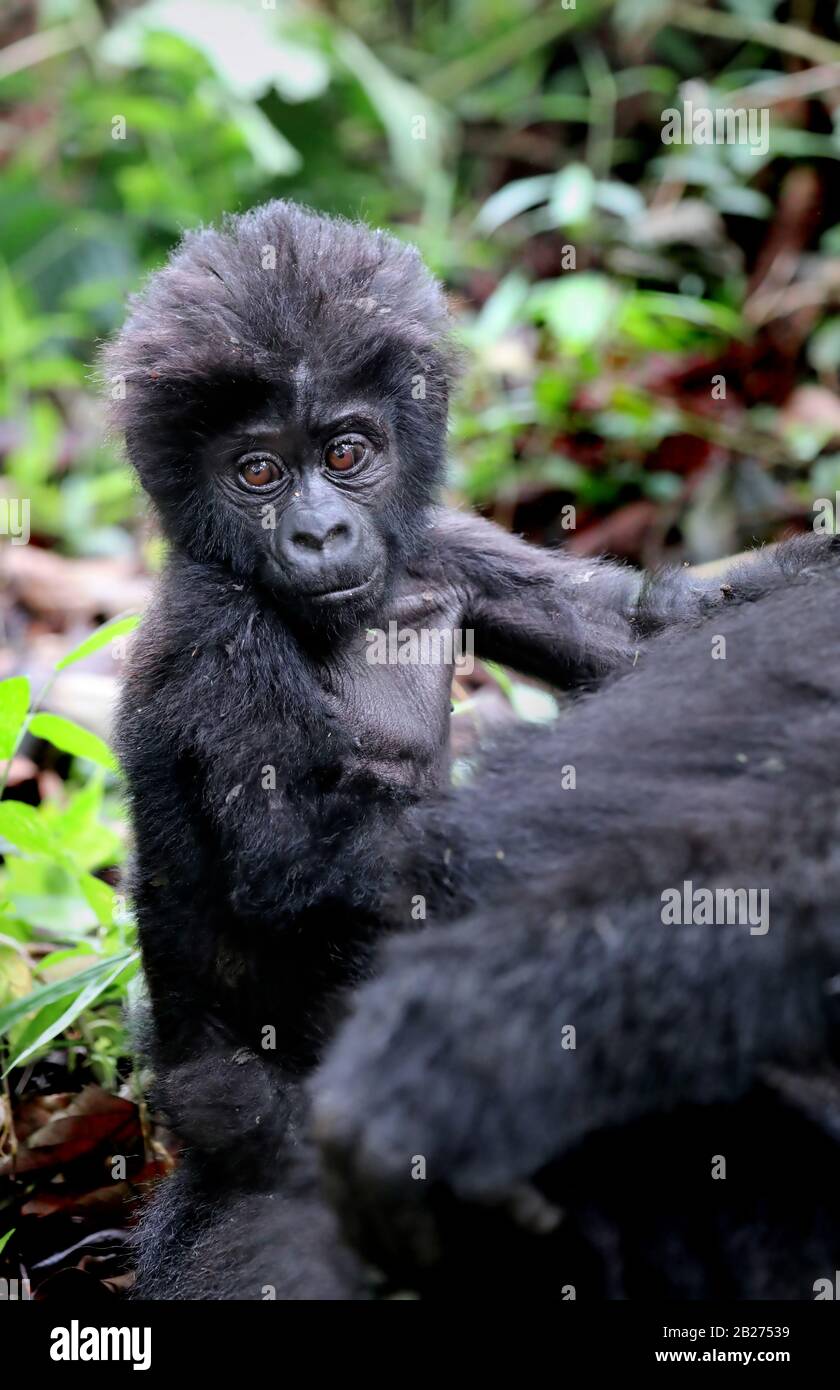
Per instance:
x=573, y=196
x=500, y=312
x=100, y=638
x=53, y=1026
x=270, y=150
x=15, y=975
x=416, y=127
x=703, y=313
x=535, y=706
x=823, y=352
x=622, y=199
x=14, y=705
x=59, y=989
x=100, y=896
x=80, y=829
x=61, y=917
x=512, y=200
x=24, y=828
x=825, y=477
x=36, y=1026
x=244, y=45
x=72, y=738
x=60, y=965
x=579, y=309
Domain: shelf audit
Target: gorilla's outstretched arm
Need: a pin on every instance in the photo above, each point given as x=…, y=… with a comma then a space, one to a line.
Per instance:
x=551, y=614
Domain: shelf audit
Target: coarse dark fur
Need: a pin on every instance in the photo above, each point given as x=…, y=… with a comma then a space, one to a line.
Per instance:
x=265, y=755
x=547, y=1167
x=282, y=387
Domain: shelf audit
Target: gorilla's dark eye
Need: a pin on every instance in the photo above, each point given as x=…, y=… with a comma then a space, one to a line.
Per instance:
x=258, y=470
x=344, y=454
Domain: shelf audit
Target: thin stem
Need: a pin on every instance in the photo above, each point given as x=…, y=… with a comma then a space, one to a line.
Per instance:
x=50, y=43
x=506, y=49
x=784, y=37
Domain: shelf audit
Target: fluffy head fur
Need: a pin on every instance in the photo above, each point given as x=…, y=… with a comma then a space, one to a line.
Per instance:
x=239, y=313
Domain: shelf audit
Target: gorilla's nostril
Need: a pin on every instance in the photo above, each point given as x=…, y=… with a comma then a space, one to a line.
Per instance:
x=339, y=532
x=307, y=540
x=310, y=540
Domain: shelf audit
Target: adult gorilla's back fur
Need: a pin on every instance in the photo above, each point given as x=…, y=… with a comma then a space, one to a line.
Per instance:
x=593, y=1167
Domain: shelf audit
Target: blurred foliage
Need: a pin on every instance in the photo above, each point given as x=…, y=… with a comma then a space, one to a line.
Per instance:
x=497, y=134
x=653, y=329
x=66, y=939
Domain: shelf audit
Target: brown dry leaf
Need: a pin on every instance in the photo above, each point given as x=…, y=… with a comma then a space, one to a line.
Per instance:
x=66, y=591
x=108, y=1200
x=38, y=1110
x=624, y=532
x=92, y=1118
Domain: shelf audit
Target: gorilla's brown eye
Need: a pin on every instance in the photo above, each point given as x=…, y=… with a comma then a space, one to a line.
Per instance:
x=344, y=454
x=259, y=471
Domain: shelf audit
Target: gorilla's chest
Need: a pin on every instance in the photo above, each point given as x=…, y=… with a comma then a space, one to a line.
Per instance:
x=388, y=689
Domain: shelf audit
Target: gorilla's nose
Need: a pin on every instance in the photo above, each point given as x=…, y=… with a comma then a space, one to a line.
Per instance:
x=318, y=540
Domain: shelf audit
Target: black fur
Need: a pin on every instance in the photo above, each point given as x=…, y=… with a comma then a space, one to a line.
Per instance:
x=548, y=1168
x=692, y=1041
x=269, y=764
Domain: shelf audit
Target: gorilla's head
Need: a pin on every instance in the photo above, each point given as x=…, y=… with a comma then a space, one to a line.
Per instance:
x=282, y=386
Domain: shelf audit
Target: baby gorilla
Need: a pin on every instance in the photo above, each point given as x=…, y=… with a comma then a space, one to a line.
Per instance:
x=282, y=386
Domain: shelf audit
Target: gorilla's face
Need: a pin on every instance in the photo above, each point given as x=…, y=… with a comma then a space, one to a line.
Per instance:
x=287, y=412
x=303, y=486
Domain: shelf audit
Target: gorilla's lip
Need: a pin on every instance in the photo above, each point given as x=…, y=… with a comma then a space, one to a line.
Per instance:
x=339, y=595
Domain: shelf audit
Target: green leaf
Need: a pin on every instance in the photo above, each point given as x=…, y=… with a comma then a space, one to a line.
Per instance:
x=100, y=896
x=499, y=313
x=15, y=974
x=36, y=1026
x=573, y=196
x=59, y=989
x=513, y=199
x=14, y=705
x=100, y=638
x=79, y=828
x=23, y=827
x=72, y=738
x=55, y=1025
x=415, y=126
x=4, y=1240
x=270, y=150
x=579, y=309
x=245, y=46
x=535, y=706
x=823, y=352
x=703, y=313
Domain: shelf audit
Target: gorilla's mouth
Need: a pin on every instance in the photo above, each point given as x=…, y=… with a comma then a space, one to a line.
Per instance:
x=340, y=595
